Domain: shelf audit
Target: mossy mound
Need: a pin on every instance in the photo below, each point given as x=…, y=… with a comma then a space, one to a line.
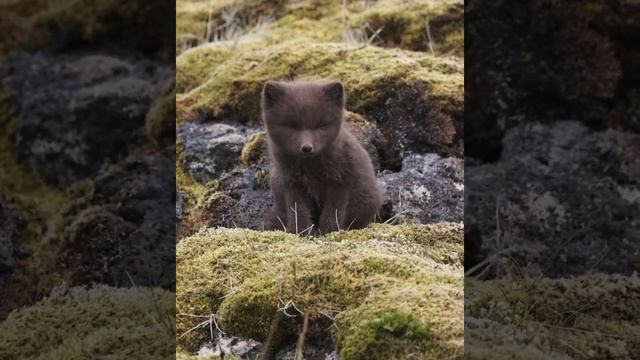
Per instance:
x=195, y=64
x=390, y=291
x=199, y=21
x=402, y=23
x=417, y=25
x=593, y=316
x=98, y=323
x=414, y=95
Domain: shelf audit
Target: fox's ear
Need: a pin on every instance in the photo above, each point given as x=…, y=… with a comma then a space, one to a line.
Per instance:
x=272, y=93
x=335, y=92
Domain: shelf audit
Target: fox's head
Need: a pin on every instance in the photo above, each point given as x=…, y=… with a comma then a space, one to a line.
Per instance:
x=302, y=118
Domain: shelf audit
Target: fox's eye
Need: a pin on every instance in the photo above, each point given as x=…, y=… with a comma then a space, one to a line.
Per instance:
x=324, y=126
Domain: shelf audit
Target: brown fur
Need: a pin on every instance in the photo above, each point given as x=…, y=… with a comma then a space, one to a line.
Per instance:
x=331, y=187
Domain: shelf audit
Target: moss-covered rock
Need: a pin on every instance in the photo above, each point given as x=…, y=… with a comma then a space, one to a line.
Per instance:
x=41, y=206
x=160, y=121
x=594, y=316
x=409, y=276
x=416, y=99
x=417, y=24
x=98, y=322
x=255, y=149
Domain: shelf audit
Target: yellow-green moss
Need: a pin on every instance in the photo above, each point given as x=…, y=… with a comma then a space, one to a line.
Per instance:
x=196, y=63
x=200, y=21
x=95, y=323
x=404, y=24
x=245, y=276
x=594, y=316
x=370, y=75
x=255, y=148
x=160, y=122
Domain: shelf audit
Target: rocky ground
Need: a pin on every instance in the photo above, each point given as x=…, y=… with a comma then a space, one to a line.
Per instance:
x=383, y=292
x=562, y=201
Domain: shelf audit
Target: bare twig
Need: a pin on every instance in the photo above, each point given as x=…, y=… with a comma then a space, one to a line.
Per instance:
x=430, y=41
x=303, y=334
x=284, y=228
x=351, y=223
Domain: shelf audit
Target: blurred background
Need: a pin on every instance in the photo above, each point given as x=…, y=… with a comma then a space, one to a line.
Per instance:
x=552, y=231
x=87, y=179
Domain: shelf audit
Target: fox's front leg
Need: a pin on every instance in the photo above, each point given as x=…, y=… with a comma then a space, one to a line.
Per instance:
x=334, y=210
x=299, y=216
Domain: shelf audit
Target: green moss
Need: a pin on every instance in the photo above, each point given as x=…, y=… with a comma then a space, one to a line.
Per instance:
x=404, y=24
x=246, y=277
x=594, y=315
x=255, y=148
x=370, y=76
x=397, y=324
x=98, y=322
x=160, y=121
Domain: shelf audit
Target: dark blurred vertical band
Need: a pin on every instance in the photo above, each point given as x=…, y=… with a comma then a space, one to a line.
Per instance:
x=87, y=179
x=552, y=205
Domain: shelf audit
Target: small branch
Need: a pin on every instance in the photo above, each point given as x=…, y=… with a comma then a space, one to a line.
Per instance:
x=284, y=228
x=303, y=334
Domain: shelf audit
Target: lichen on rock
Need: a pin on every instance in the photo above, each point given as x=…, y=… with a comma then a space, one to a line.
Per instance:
x=378, y=272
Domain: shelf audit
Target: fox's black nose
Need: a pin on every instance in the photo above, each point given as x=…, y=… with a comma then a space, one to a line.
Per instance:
x=307, y=148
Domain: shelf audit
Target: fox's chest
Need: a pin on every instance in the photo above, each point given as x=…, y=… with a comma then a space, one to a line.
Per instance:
x=316, y=179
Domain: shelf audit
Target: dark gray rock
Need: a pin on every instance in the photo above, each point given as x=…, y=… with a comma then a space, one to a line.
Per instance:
x=77, y=112
x=128, y=227
x=247, y=185
x=566, y=201
x=428, y=189
x=10, y=226
x=211, y=148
